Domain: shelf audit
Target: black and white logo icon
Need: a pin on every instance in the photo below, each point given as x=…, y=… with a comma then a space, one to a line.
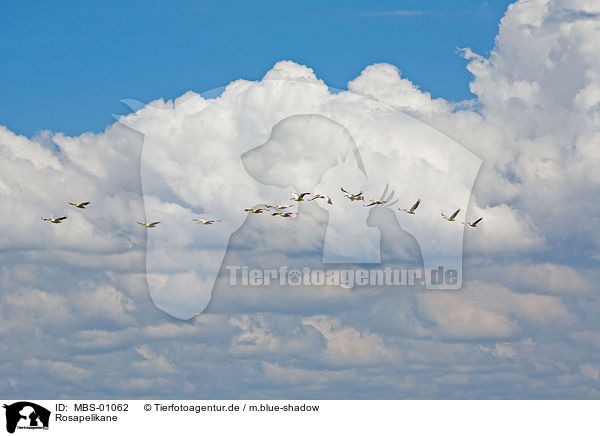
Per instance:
x=26, y=415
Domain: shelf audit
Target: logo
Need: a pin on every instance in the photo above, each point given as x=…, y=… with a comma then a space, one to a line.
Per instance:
x=26, y=415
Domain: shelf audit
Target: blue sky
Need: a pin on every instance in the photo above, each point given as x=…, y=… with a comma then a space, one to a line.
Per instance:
x=67, y=64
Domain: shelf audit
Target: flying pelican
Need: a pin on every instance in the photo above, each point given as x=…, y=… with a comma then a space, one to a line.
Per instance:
x=80, y=205
x=252, y=210
x=452, y=217
x=374, y=202
x=413, y=208
x=284, y=214
x=55, y=220
x=149, y=225
x=353, y=197
x=387, y=199
x=207, y=222
x=299, y=197
x=474, y=223
x=277, y=206
x=325, y=197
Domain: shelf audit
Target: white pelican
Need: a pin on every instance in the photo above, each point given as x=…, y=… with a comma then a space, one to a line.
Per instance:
x=80, y=205
x=284, y=214
x=413, y=208
x=299, y=197
x=324, y=197
x=451, y=217
x=55, y=220
x=252, y=210
x=277, y=206
x=353, y=197
x=384, y=199
x=207, y=222
x=474, y=223
x=149, y=225
x=374, y=202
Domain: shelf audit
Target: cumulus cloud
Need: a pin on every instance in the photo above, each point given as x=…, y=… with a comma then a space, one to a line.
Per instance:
x=64, y=371
x=481, y=310
x=153, y=362
x=346, y=346
x=209, y=158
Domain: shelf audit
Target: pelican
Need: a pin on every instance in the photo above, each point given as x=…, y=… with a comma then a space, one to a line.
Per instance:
x=299, y=197
x=80, y=205
x=374, y=202
x=277, y=206
x=451, y=217
x=474, y=223
x=353, y=197
x=149, y=225
x=206, y=222
x=252, y=210
x=284, y=214
x=55, y=220
x=324, y=197
x=413, y=208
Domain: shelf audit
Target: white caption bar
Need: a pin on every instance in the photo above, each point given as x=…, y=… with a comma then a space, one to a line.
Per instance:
x=95, y=417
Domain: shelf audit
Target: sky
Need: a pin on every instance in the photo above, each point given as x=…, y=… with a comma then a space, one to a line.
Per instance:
x=67, y=65
x=101, y=307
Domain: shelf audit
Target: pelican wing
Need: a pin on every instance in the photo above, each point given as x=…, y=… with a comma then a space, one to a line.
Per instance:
x=477, y=222
x=414, y=206
x=454, y=214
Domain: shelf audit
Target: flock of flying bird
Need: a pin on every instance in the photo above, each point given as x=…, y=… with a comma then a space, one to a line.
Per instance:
x=279, y=209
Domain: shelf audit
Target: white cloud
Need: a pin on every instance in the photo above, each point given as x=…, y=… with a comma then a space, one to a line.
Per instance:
x=64, y=371
x=154, y=363
x=346, y=346
x=481, y=310
x=106, y=302
x=384, y=83
x=542, y=278
x=299, y=376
